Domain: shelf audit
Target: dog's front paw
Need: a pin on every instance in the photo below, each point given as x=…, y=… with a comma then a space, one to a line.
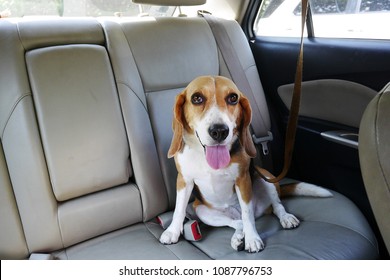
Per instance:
x=289, y=221
x=169, y=237
x=254, y=244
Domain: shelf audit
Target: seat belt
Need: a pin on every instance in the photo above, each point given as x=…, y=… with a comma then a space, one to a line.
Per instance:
x=239, y=77
x=262, y=132
x=191, y=230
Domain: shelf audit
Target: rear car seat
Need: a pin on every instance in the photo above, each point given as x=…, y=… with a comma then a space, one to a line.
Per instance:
x=86, y=110
x=67, y=151
x=169, y=53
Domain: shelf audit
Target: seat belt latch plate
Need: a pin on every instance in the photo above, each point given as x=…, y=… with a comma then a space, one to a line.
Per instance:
x=263, y=141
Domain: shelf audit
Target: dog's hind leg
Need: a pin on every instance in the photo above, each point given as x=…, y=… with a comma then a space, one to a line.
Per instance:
x=266, y=194
x=287, y=220
x=218, y=218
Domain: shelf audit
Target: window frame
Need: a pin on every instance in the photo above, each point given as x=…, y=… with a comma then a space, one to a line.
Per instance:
x=251, y=15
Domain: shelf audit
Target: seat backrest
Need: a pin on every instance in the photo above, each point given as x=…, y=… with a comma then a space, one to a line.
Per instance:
x=63, y=133
x=77, y=101
x=169, y=53
x=178, y=63
x=374, y=152
x=12, y=239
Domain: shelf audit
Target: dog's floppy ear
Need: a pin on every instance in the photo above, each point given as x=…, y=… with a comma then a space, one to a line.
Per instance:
x=245, y=134
x=177, y=125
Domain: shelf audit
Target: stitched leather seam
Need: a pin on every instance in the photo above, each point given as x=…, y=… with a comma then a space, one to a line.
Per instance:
x=12, y=111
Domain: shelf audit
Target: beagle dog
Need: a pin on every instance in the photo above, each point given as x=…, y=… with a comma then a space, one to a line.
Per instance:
x=212, y=148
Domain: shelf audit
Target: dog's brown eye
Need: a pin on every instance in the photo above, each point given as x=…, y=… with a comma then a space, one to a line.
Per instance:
x=197, y=98
x=232, y=99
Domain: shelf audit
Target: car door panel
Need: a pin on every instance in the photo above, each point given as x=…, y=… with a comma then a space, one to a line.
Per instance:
x=340, y=77
x=338, y=101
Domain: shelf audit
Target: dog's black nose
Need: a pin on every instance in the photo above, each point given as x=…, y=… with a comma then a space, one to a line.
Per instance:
x=219, y=132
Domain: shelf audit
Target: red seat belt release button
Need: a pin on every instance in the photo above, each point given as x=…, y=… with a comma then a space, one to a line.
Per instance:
x=191, y=231
x=165, y=219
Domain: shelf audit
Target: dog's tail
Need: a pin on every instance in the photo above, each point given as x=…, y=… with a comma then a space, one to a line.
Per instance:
x=304, y=189
x=296, y=189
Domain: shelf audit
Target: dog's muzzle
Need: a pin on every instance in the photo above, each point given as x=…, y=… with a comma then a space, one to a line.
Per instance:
x=217, y=156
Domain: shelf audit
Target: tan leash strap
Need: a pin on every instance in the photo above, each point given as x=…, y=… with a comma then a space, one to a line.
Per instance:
x=294, y=108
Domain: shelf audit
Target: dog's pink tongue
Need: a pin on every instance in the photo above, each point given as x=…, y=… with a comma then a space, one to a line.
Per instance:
x=217, y=156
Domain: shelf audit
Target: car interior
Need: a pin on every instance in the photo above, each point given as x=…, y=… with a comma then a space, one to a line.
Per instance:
x=86, y=108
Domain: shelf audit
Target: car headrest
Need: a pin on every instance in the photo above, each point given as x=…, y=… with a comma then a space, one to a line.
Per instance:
x=171, y=2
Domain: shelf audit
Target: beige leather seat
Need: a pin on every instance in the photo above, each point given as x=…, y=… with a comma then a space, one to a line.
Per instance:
x=374, y=152
x=66, y=150
x=85, y=125
x=13, y=244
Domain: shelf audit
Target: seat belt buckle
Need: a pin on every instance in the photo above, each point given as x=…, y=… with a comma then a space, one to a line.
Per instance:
x=165, y=219
x=191, y=231
x=263, y=141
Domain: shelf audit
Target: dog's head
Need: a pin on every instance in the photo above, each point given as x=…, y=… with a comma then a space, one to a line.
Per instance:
x=213, y=110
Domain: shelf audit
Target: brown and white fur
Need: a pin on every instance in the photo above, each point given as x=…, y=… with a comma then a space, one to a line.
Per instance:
x=212, y=147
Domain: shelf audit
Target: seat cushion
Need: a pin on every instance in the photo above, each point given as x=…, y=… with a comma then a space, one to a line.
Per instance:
x=331, y=228
x=139, y=241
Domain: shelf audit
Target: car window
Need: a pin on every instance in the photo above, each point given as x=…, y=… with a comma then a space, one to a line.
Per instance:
x=119, y=8
x=367, y=19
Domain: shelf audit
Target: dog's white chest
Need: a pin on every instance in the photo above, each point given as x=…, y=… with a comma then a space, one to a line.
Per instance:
x=216, y=186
